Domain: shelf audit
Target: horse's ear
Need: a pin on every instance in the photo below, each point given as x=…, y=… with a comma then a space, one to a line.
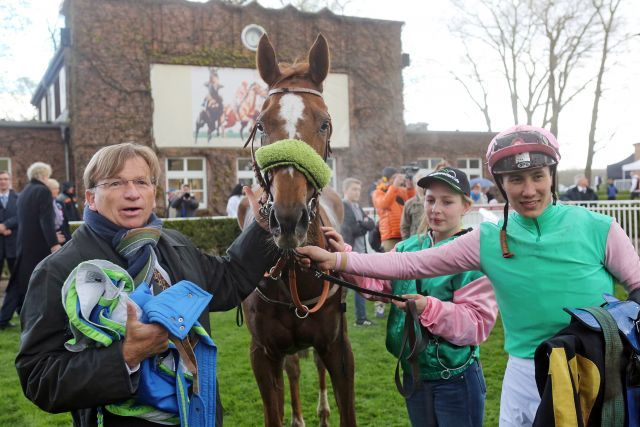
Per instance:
x=266, y=61
x=319, y=60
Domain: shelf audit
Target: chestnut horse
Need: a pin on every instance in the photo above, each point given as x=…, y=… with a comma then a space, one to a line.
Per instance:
x=295, y=109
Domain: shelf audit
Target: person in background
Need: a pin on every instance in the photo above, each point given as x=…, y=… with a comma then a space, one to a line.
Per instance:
x=184, y=203
x=69, y=201
x=60, y=222
x=413, y=210
x=389, y=198
x=37, y=237
x=459, y=310
x=354, y=228
x=234, y=201
x=597, y=182
x=635, y=186
x=581, y=191
x=477, y=195
x=612, y=191
x=8, y=226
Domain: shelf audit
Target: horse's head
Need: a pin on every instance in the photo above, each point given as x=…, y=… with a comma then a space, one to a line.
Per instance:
x=294, y=109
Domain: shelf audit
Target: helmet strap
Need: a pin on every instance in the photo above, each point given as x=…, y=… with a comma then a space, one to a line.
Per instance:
x=503, y=232
x=554, y=182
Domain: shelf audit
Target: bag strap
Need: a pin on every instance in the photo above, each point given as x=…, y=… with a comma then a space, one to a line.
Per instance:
x=613, y=412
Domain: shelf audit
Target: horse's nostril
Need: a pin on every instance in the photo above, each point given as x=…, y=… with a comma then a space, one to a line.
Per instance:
x=304, y=219
x=274, y=225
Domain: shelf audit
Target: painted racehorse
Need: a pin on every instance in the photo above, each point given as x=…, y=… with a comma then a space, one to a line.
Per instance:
x=295, y=109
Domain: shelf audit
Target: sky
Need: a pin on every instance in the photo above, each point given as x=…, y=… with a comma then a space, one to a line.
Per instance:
x=431, y=94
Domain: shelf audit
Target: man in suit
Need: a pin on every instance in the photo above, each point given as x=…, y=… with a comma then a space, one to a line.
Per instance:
x=8, y=222
x=354, y=228
x=37, y=237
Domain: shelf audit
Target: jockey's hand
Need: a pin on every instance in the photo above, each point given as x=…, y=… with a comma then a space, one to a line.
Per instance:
x=142, y=340
x=263, y=221
x=322, y=259
x=336, y=242
x=421, y=302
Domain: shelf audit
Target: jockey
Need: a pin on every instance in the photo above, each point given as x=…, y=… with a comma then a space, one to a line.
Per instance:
x=541, y=258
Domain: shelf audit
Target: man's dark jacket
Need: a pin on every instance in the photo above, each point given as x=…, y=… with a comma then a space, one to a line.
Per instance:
x=190, y=206
x=352, y=228
x=58, y=380
x=69, y=202
x=9, y=217
x=574, y=194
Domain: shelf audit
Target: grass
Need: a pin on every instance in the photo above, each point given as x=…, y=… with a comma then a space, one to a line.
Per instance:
x=377, y=400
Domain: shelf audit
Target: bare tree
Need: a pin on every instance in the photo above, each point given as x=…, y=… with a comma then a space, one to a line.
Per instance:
x=606, y=17
x=570, y=37
x=475, y=78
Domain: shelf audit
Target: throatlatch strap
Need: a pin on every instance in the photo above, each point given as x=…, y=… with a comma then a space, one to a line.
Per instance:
x=613, y=412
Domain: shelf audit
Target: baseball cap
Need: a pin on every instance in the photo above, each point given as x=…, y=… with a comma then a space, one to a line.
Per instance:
x=453, y=177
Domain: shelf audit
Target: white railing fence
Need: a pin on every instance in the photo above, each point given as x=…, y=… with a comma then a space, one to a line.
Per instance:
x=626, y=212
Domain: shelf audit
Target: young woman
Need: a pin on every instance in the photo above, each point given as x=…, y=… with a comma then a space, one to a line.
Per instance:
x=542, y=258
x=459, y=310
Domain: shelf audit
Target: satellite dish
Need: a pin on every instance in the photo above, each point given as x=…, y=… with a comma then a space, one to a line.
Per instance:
x=251, y=36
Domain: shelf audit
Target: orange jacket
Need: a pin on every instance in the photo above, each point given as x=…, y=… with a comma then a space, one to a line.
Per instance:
x=389, y=210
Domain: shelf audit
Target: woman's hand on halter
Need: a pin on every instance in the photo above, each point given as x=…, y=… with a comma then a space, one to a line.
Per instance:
x=262, y=220
x=421, y=302
x=335, y=240
x=324, y=260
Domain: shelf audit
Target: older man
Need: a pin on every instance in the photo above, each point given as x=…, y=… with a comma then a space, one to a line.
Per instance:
x=120, y=182
x=37, y=237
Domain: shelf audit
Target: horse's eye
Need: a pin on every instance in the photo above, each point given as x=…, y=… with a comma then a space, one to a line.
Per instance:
x=260, y=127
x=325, y=126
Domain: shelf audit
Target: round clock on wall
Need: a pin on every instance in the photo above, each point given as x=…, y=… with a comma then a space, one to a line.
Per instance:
x=251, y=36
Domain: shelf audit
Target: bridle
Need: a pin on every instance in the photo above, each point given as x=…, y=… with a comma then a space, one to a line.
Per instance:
x=266, y=205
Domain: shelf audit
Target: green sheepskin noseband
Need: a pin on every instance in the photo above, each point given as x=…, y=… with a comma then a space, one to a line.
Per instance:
x=296, y=153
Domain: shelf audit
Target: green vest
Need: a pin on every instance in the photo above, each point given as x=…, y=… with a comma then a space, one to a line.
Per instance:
x=558, y=262
x=440, y=358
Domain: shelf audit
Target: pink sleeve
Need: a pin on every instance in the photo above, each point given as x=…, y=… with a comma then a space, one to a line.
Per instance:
x=468, y=319
x=462, y=254
x=378, y=285
x=621, y=258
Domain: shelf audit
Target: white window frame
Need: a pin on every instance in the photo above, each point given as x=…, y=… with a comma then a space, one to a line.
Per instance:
x=432, y=162
x=185, y=174
x=62, y=79
x=471, y=172
x=52, y=103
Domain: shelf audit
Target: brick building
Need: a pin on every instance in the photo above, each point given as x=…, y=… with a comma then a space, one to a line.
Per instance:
x=125, y=66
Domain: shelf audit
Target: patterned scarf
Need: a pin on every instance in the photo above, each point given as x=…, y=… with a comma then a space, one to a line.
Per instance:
x=136, y=245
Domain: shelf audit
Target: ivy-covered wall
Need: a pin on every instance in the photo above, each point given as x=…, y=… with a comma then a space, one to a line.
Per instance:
x=113, y=43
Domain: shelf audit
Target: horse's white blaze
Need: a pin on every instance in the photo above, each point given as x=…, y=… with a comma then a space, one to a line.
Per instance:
x=291, y=109
x=291, y=170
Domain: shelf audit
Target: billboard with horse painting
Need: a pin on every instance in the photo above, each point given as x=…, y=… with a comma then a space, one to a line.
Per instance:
x=217, y=107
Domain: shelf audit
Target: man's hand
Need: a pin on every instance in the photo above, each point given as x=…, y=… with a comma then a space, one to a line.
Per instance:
x=142, y=340
x=336, y=242
x=324, y=260
x=60, y=236
x=7, y=232
x=3, y=229
x=421, y=302
x=55, y=248
x=263, y=221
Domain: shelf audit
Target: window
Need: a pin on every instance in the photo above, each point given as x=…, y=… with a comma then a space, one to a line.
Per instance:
x=244, y=171
x=246, y=176
x=63, y=90
x=471, y=166
x=429, y=163
x=191, y=171
x=5, y=164
x=51, y=114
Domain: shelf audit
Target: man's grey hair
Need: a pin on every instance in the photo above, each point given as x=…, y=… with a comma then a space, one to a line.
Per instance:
x=39, y=170
x=348, y=182
x=579, y=177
